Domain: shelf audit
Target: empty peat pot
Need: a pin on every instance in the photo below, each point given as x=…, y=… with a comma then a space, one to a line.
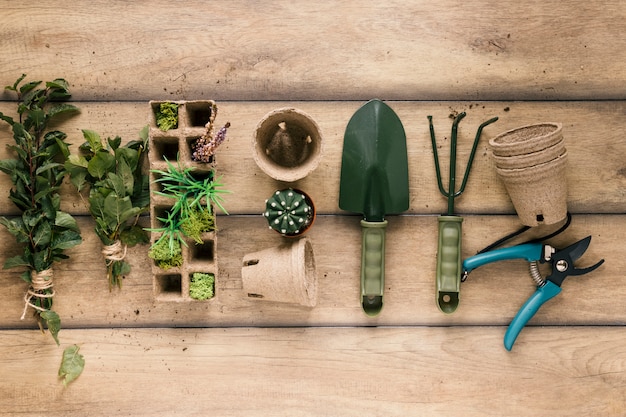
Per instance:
x=287, y=144
x=284, y=274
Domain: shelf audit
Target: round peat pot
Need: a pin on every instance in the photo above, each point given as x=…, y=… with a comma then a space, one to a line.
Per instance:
x=539, y=193
x=287, y=144
x=527, y=139
x=284, y=274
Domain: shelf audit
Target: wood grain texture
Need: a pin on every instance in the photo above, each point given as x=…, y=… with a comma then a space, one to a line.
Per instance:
x=592, y=134
x=250, y=50
x=492, y=295
x=525, y=62
x=319, y=372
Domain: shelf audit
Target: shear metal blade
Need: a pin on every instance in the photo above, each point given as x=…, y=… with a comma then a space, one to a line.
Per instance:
x=576, y=250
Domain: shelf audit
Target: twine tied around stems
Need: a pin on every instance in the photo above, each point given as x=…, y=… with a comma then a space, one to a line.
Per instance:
x=40, y=283
x=114, y=252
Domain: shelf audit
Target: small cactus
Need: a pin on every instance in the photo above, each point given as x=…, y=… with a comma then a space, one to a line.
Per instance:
x=290, y=212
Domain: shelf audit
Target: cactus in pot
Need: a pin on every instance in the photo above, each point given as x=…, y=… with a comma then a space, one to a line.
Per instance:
x=290, y=212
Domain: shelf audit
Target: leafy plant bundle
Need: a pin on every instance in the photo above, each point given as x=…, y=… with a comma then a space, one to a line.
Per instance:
x=191, y=214
x=43, y=231
x=118, y=194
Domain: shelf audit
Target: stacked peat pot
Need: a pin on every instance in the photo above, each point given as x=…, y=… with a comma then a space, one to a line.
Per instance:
x=531, y=161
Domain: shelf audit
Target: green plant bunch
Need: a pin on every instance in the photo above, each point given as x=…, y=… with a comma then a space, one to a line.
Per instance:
x=202, y=286
x=190, y=215
x=118, y=193
x=42, y=230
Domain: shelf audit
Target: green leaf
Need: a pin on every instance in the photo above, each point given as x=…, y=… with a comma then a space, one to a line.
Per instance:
x=66, y=221
x=8, y=166
x=42, y=235
x=40, y=261
x=76, y=160
x=96, y=205
x=47, y=167
x=131, y=156
x=144, y=134
x=59, y=89
x=116, y=183
x=25, y=88
x=53, y=322
x=100, y=164
x=25, y=276
x=36, y=118
x=15, y=261
x=61, y=108
x=65, y=240
x=72, y=364
x=7, y=119
x=93, y=139
x=116, y=210
x=114, y=143
x=126, y=175
x=134, y=235
x=141, y=194
x=14, y=86
x=58, y=84
x=76, y=166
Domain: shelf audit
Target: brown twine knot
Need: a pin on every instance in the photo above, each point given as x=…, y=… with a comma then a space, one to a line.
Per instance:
x=40, y=282
x=114, y=252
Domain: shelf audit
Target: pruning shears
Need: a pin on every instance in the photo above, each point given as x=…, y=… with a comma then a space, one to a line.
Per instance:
x=561, y=261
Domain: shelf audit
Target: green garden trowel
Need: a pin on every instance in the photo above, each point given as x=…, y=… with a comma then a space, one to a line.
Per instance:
x=374, y=182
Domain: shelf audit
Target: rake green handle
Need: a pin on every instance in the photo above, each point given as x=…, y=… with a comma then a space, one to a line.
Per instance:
x=372, y=266
x=449, y=267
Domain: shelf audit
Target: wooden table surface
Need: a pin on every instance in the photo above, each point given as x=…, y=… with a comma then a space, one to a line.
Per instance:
x=525, y=62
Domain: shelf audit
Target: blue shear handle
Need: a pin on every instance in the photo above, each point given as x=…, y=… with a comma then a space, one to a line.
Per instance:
x=528, y=310
x=529, y=251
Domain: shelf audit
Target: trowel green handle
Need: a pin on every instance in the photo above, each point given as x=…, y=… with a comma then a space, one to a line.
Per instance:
x=449, y=263
x=372, y=266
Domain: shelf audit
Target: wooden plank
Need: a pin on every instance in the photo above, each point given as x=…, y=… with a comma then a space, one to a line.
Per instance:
x=246, y=50
x=318, y=372
x=492, y=295
x=595, y=171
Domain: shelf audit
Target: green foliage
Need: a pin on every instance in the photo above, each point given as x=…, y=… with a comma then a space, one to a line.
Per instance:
x=166, y=252
x=167, y=116
x=198, y=222
x=118, y=190
x=53, y=321
x=72, y=364
x=36, y=170
x=202, y=286
x=192, y=211
x=288, y=212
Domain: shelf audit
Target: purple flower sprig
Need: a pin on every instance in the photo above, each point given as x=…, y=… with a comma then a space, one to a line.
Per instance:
x=206, y=145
